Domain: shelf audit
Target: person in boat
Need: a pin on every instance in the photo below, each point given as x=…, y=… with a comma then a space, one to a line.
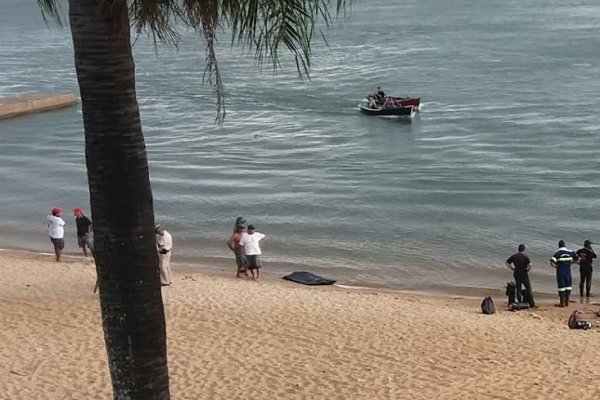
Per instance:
x=372, y=102
x=380, y=94
x=389, y=103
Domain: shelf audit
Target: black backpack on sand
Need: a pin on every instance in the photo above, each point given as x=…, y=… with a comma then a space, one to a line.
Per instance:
x=511, y=292
x=487, y=306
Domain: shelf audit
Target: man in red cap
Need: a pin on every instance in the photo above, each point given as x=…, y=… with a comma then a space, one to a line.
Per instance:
x=56, y=231
x=84, y=230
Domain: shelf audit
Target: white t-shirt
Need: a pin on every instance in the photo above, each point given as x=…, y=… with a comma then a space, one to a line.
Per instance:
x=164, y=241
x=56, y=228
x=251, y=243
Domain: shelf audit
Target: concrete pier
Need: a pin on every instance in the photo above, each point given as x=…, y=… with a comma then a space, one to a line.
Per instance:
x=32, y=103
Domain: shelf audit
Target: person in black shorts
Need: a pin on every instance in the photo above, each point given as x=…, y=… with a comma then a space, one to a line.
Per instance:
x=586, y=256
x=84, y=230
x=520, y=264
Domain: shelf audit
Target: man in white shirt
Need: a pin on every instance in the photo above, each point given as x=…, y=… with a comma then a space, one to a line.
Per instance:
x=56, y=231
x=250, y=243
x=164, y=245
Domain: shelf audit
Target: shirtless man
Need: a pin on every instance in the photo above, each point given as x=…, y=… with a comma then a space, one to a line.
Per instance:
x=234, y=245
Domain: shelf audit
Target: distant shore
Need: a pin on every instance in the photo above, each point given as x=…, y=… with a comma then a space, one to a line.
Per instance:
x=234, y=338
x=15, y=106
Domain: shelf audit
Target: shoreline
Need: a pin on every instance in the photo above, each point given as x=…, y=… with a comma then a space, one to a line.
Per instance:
x=226, y=269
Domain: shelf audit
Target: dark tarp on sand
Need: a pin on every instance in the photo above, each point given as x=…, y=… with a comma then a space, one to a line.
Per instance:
x=308, y=278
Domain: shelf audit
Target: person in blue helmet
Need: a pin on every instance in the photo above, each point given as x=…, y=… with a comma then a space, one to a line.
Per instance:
x=561, y=261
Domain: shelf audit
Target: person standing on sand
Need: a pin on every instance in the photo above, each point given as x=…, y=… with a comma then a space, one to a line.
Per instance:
x=250, y=243
x=239, y=222
x=56, y=231
x=164, y=245
x=586, y=256
x=234, y=244
x=561, y=261
x=84, y=229
x=520, y=264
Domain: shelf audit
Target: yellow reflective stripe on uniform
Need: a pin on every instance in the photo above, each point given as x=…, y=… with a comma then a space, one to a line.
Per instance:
x=565, y=259
x=553, y=259
x=565, y=288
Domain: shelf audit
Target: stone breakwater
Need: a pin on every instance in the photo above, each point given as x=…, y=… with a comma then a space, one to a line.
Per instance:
x=33, y=103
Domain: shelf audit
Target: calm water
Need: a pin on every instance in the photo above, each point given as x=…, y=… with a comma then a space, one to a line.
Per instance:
x=504, y=151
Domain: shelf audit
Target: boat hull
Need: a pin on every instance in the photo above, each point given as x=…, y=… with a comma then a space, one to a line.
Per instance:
x=404, y=101
x=400, y=111
x=408, y=101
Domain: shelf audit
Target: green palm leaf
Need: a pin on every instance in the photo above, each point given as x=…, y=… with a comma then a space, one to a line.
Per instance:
x=260, y=26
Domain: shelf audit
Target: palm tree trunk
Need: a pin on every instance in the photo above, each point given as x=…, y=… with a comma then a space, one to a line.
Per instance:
x=121, y=199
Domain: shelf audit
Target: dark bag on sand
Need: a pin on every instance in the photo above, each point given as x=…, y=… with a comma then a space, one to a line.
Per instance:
x=511, y=292
x=575, y=321
x=487, y=306
x=519, y=306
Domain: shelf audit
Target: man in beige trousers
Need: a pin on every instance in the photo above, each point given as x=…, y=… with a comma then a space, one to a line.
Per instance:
x=164, y=245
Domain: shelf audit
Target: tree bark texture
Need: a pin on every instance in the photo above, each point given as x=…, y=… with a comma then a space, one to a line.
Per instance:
x=121, y=200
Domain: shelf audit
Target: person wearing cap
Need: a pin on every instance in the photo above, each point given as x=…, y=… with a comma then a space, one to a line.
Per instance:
x=84, y=230
x=586, y=256
x=164, y=245
x=520, y=264
x=250, y=243
x=56, y=231
x=240, y=222
x=234, y=245
x=561, y=261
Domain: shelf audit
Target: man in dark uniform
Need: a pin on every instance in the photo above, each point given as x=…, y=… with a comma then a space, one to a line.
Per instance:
x=586, y=256
x=561, y=261
x=520, y=264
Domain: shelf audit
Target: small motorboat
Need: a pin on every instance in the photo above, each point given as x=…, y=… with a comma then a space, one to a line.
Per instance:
x=402, y=101
x=400, y=111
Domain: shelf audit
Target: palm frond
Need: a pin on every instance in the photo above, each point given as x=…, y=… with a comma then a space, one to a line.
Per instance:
x=51, y=10
x=156, y=18
x=264, y=26
x=260, y=26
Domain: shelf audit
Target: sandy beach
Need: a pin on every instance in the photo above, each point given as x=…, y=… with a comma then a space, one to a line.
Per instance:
x=237, y=339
